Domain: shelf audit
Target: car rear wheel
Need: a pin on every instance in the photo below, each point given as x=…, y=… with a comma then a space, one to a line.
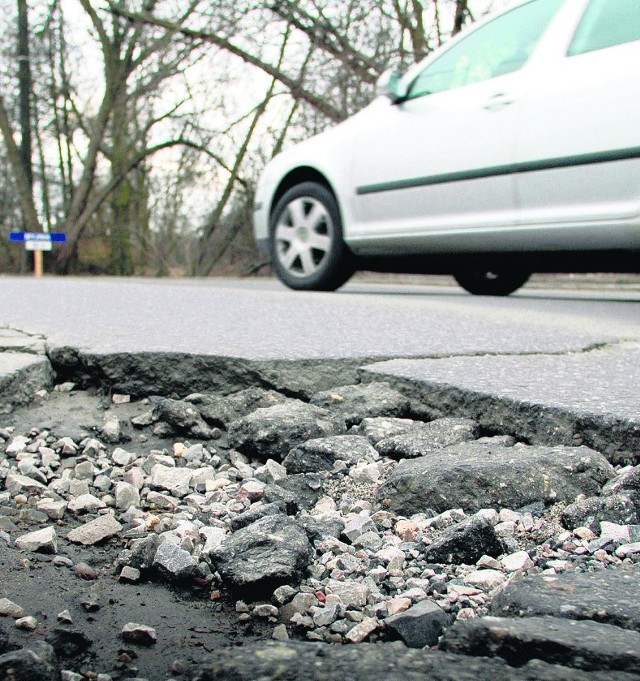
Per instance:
x=307, y=249
x=491, y=283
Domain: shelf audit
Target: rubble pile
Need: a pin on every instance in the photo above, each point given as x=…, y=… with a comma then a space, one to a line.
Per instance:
x=342, y=520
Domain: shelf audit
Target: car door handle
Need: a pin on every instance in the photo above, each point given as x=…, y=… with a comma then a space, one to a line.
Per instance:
x=498, y=102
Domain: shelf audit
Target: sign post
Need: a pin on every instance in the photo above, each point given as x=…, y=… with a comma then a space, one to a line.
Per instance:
x=37, y=242
x=38, y=265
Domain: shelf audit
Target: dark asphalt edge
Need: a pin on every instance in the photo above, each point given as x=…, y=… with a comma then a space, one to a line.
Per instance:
x=141, y=374
x=616, y=438
x=163, y=373
x=24, y=380
x=179, y=374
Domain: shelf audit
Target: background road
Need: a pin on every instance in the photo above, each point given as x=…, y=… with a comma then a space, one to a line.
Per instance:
x=260, y=319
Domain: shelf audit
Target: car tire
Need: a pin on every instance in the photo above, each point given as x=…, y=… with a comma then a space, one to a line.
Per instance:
x=307, y=249
x=491, y=283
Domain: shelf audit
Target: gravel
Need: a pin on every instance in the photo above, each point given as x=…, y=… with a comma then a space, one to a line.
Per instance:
x=278, y=519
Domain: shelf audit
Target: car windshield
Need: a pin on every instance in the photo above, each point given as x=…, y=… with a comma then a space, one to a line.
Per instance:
x=497, y=48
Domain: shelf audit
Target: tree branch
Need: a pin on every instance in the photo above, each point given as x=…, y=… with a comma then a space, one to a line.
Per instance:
x=295, y=88
x=323, y=35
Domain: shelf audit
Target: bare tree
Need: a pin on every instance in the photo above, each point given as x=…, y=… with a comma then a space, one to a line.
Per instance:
x=102, y=162
x=137, y=60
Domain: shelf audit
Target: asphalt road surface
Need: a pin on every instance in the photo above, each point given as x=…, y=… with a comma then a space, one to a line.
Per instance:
x=262, y=320
x=574, y=352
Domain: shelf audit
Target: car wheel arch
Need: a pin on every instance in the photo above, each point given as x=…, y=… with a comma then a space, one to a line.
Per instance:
x=298, y=176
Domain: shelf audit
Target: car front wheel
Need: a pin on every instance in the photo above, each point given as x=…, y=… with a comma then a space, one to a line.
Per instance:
x=493, y=283
x=307, y=249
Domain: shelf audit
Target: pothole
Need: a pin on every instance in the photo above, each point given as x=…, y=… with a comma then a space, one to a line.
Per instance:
x=332, y=512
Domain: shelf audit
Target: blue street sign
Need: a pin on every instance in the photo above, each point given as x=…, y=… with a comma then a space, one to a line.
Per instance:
x=37, y=236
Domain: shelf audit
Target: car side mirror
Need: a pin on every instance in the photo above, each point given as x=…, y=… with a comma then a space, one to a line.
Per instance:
x=390, y=85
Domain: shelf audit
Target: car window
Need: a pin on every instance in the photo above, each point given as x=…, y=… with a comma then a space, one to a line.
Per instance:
x=606, y=23
x=499, y=47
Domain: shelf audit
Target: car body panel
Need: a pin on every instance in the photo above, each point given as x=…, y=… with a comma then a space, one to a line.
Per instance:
x=591, y=119
x=554, y=167
x=431, y=155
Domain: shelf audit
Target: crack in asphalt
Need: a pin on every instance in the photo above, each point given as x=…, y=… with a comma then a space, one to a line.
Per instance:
x=501, y=410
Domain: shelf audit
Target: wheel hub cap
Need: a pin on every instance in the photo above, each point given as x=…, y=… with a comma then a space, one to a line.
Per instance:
x=303, y=236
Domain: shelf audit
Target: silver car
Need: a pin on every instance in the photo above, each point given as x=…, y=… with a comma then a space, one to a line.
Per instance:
x=514, y=149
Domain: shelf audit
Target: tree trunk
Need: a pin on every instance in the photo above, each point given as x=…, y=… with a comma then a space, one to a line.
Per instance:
x=120, y=259
x=24, y=77
x=462, y=10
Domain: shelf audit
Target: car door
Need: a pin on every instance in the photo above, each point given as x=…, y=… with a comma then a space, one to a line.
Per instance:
x=579, y=144
x=438, y=162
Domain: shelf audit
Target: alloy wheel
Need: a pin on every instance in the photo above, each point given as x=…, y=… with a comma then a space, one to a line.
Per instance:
x=303, y=236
